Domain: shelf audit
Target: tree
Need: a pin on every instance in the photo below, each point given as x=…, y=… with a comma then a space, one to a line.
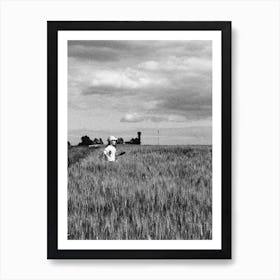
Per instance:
x=86, y=141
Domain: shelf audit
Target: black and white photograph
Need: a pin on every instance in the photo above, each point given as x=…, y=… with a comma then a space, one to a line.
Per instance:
x=141, y=113
x=140, y=139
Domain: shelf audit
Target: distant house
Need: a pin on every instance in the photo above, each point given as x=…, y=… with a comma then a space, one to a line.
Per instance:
x=135, y=141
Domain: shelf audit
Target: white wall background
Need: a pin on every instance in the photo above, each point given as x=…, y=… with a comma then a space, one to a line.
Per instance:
x=255, y=101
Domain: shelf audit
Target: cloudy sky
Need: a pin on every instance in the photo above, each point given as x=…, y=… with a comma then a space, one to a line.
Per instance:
x=121, y=87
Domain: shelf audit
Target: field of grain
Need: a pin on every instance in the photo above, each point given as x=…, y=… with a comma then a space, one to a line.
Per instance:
x=152, y=192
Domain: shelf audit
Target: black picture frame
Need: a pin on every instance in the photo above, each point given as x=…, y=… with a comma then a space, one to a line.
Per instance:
x=52, y=102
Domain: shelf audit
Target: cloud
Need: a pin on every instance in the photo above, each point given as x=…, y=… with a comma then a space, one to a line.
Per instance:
x=99, y=90
x=122, y=78
x=126, y=81
x=101, y=51
x=194, y=105
x=149, y=65
x=132, y=118
x=158, y=81
x=117, y=50
x=136, y=117
x=157, y=119
x=140, y=117
x=173, y=63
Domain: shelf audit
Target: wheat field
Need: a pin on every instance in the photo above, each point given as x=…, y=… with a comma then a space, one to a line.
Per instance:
x=152, y=192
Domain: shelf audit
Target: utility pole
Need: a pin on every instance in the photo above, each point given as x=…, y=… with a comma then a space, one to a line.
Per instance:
x=158, y=136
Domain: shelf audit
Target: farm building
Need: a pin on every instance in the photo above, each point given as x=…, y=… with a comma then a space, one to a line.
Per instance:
x=135, y=141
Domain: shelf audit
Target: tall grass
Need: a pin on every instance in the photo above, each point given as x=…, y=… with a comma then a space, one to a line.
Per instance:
x=77, y=153
x=152, y=192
